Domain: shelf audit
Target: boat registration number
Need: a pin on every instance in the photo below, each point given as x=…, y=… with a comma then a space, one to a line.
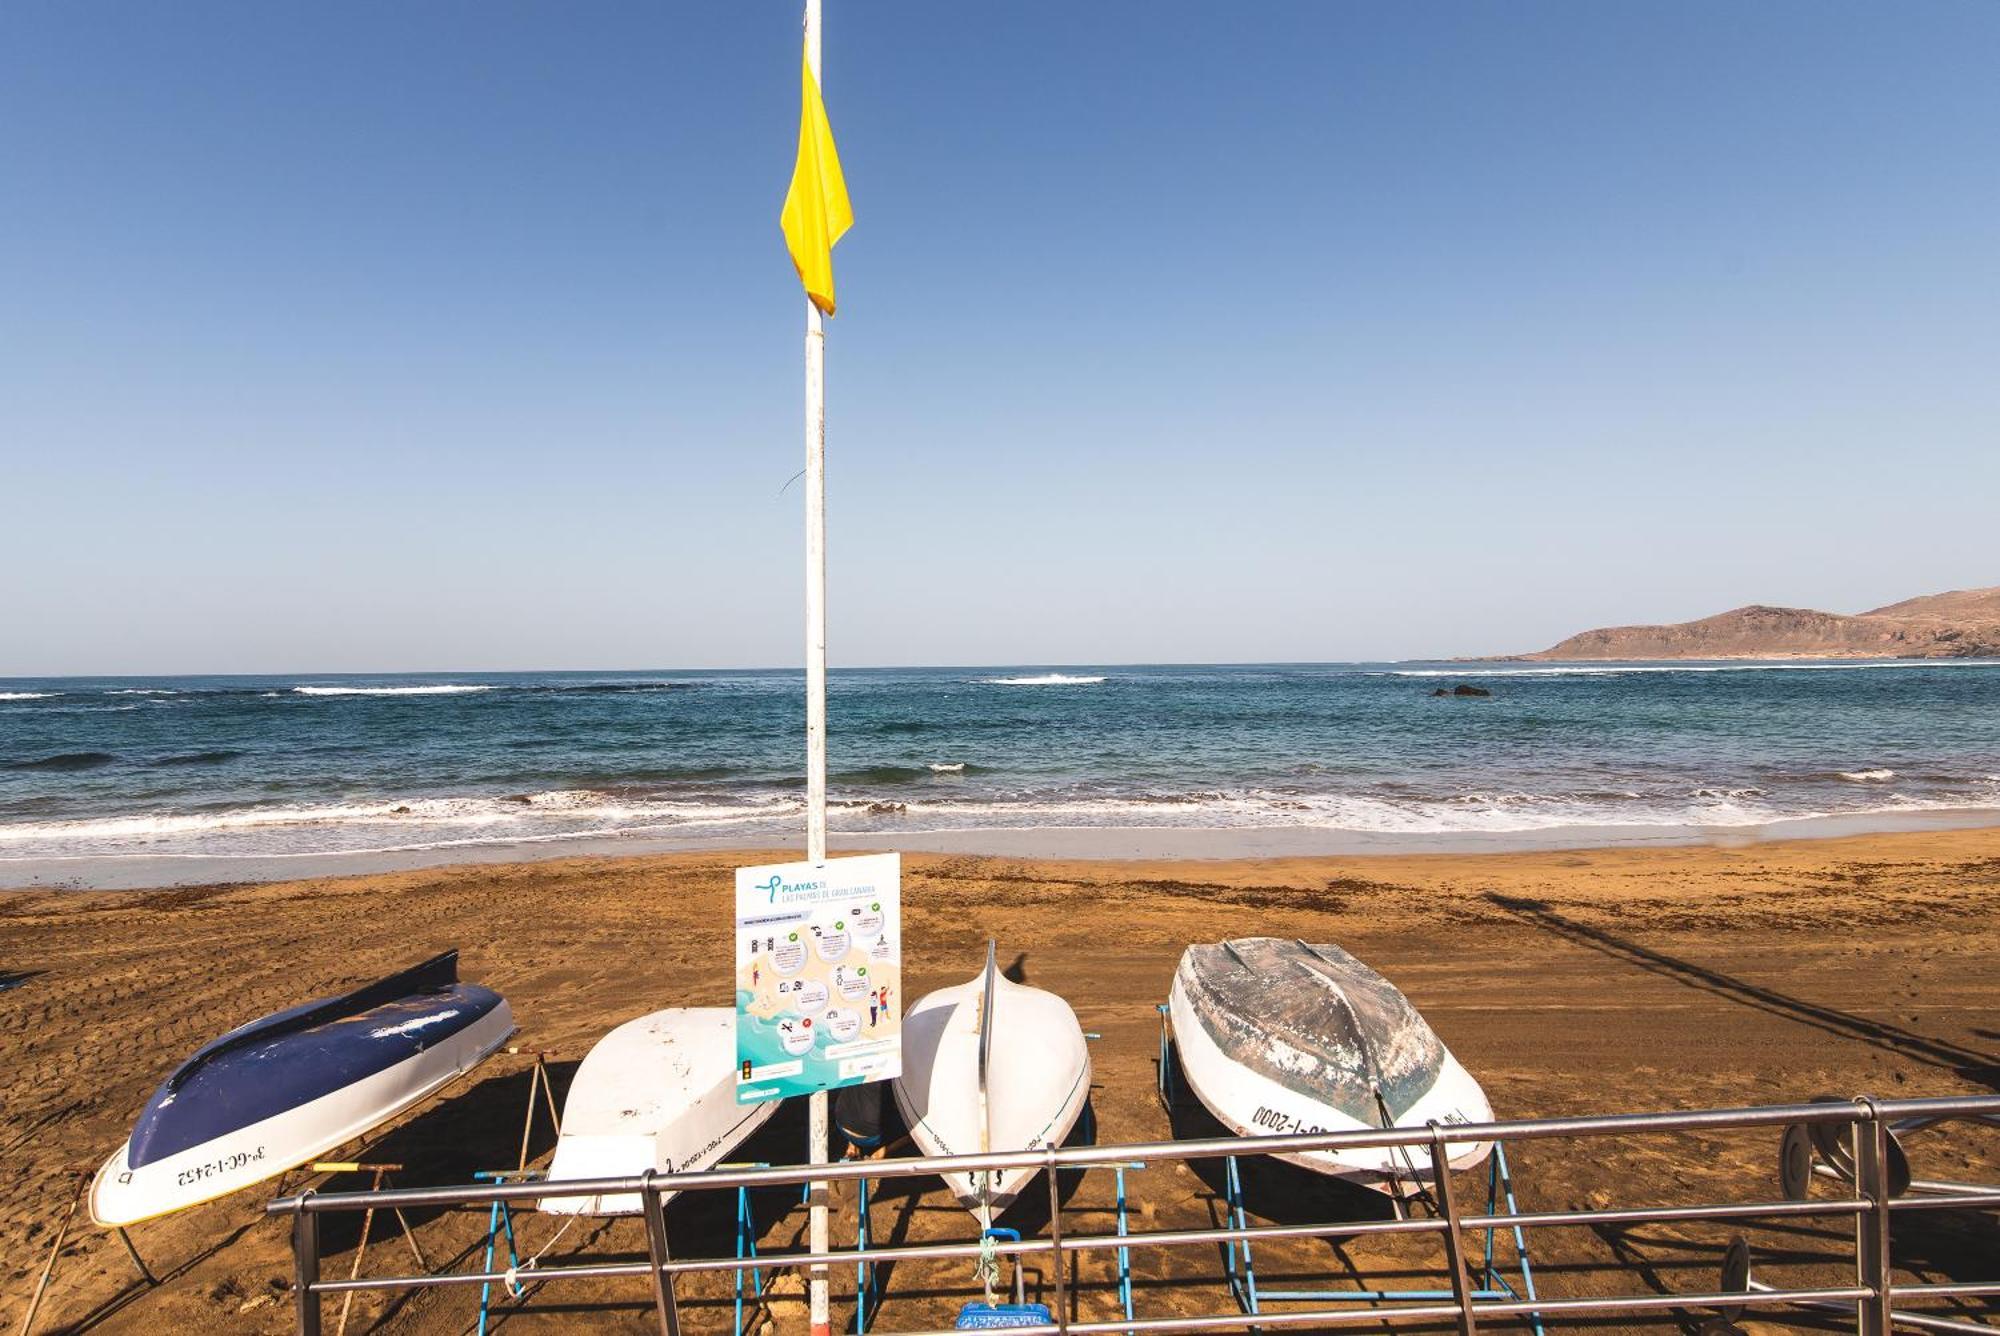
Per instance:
x=1277, y=1120
x=214, y=1168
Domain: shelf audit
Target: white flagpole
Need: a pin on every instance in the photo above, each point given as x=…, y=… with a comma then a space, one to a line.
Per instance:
x=816, y=694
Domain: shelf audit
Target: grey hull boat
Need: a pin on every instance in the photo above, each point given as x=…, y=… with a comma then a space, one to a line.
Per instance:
x=1280, y=1037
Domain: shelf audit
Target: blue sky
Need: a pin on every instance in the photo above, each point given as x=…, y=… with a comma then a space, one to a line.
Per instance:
x=388, y=336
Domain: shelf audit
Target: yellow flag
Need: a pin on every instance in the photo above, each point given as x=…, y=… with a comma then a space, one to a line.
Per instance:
x=816, y=210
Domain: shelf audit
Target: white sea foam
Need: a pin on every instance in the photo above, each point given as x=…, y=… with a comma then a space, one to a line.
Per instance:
x=414, y=823
x=947, y=767
x=160, y=825
x=1498, y=814
x=1045, y=680
x=1868, y=776
x=565, y=816
x=441, y=689
x=28, y=695
x=1623, y=669
x=393, y=825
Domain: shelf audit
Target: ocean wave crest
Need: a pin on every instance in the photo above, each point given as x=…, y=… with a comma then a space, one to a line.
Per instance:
x=440, y=689
x=772, y=812
x=28, y=695
x=574, y=813
x=1043, y=680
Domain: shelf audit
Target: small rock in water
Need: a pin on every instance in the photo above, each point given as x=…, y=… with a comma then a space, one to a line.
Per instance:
x=886, y=809
x=1466, y=689
x=521, y=798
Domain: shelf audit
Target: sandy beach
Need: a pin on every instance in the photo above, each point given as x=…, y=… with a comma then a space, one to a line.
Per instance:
x=1611, y=980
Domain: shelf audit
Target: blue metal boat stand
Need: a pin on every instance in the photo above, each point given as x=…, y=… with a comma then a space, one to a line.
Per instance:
x=1019, y=1313
x=500, y=1221
x=868, y=1298
x=865, y=1295
x=499, y=1218
x=1490, y=1280
x=746, y=1235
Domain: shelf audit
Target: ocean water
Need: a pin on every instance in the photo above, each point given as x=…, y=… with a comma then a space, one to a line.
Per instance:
x=277, y=765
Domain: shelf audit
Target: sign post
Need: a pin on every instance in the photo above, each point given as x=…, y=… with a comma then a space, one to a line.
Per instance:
x=815, y=215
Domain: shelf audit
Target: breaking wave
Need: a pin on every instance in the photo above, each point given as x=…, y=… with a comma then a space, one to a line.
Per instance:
x=767, y=812
x=1044, y=680
x=413, y=823
x=441, y=689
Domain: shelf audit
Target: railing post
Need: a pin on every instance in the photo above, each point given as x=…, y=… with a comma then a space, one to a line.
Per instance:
x=305, y=1265
x=1060, y=1263
x=1454, y=1249
x=1871, y=1163
x=656, y=1249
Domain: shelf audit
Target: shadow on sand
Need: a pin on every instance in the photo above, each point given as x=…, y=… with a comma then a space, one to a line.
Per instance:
x=1968, y=1063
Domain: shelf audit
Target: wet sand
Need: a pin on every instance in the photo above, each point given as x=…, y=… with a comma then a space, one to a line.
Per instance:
x=1596, y=981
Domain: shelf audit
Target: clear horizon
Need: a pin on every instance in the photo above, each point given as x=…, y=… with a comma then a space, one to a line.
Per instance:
x=466, y=334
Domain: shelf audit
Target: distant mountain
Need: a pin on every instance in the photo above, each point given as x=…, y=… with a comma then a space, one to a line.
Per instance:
x=1964, y=623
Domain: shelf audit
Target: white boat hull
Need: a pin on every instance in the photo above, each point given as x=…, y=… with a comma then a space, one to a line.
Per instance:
x=122, y=1195
x=1038, y=1080
x=1252, y=1105
x=1278, y=1037
x=658, y=1092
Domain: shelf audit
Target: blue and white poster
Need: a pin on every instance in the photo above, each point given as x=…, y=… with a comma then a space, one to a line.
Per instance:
x=819, y=974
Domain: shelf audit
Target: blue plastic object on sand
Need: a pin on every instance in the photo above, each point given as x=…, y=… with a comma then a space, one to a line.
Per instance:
x=979, y=1317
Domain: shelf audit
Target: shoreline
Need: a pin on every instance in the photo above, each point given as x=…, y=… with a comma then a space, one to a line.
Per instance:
x=1106, y=844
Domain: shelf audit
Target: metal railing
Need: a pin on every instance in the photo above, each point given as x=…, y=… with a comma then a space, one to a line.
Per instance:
x=1872, y=1297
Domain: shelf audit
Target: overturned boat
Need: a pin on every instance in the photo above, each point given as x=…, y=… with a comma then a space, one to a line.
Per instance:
x=659, y=1093
x=991, y=1065
x=1280, y=1037
x=286, y=1089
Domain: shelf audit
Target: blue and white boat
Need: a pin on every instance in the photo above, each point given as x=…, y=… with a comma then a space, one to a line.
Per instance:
x=286, y=1089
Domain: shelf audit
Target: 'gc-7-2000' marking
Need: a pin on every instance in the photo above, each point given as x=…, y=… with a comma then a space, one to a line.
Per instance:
x=1284, y=1123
